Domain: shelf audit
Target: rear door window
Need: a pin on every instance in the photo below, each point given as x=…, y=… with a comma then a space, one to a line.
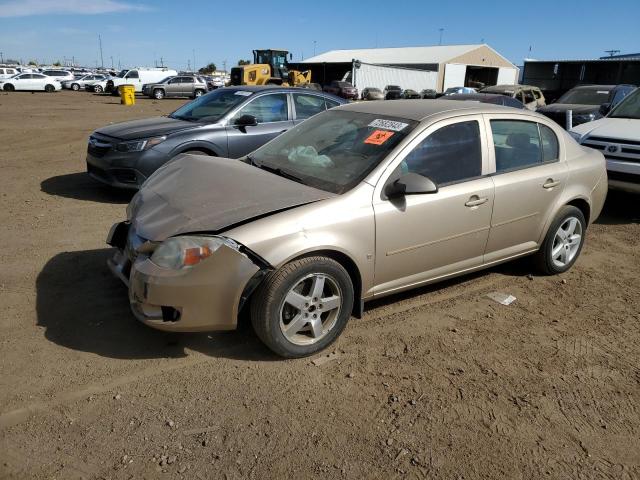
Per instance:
x=133, y=74
x=451, y=154
x=307, y=105
x=517, y=144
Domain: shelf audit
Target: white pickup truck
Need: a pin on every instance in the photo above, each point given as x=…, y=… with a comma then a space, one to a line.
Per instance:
x=617, y=136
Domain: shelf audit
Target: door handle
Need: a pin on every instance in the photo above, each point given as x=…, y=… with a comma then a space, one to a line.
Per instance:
x=475, y=201
x=550, y=183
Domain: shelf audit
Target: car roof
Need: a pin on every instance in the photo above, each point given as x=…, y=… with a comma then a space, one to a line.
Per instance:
x=505, y=87
x=474, y=96
x=418, y=110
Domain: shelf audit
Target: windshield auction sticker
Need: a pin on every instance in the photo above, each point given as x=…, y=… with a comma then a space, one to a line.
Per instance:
x=378, y=137
x=388, y=124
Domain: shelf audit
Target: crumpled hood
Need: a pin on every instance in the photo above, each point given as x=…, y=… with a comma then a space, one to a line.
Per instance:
x=147, y=127
x=563, y=107
x=195, y=193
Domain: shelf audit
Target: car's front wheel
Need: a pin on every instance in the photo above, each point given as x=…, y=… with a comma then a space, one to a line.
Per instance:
x=49, y=88
x=563, y=242
x=158, y=94
x=9, y=87
x=303, y=307
x=98, y=89
x=75, y=87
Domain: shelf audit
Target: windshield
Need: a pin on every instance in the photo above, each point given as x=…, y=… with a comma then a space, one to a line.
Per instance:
x=122, y=73
x=586, y=96
x=334, y=150
x=211, y=106
x=628, y=108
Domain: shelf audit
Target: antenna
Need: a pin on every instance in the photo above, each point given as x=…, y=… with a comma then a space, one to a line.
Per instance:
x=100, y=43
x=612, y=52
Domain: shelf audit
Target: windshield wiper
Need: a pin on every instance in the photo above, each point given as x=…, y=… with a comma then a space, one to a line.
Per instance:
x=186, y=119
x=278, y=171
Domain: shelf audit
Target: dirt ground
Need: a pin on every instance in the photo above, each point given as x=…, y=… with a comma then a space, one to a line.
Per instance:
x=438, y=383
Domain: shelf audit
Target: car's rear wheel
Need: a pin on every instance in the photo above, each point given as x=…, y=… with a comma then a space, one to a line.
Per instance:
x=198, y=93
x=49, y=88
x=98, y=89
x=158, y=94
x=563, y=243
x=303, y=307
x=75, y=87
x=9, y=87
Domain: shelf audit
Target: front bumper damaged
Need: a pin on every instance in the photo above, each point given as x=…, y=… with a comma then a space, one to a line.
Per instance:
x=205, y=297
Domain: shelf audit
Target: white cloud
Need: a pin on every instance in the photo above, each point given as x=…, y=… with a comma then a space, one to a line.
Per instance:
x=24, y=8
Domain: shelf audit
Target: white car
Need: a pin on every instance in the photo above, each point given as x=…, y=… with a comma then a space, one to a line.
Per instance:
x=30, y=82
x=81, y=82
x=617, y=136
x=6, y=72
x=61, y=75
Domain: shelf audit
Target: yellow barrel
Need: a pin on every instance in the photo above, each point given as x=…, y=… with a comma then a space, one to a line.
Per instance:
x=127, y=94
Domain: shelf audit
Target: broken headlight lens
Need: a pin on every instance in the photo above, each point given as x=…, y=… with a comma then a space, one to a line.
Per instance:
x=187, y=251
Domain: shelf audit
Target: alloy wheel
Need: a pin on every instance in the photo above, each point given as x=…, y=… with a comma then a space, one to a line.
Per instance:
x=310, y=309
x=566, y=242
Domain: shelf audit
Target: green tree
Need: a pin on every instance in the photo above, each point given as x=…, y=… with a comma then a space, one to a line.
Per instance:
x=57, y=63
x=33, y=62
x=208, y=69
x=244, y=62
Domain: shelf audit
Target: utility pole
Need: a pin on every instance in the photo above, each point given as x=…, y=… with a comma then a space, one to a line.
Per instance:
x=314, y=48
x=188, y=65
x=612, y=52
x=161, y=62
x=101, y=57
x=224, y=65
x=194, y=59
x=1, y=58
x=441, y=30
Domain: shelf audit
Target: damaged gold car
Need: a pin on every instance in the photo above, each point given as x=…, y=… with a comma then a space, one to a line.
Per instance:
x=358, y=202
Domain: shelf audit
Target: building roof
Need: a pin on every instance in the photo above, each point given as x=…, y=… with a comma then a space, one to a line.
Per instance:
x=583, y=60
x=395, y=55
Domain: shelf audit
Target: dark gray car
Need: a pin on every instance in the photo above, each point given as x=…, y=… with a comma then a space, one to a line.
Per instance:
x=228, y=122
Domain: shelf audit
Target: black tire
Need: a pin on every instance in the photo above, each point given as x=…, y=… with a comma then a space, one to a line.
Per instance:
x=158, y=94
x=543, y=259
x=269, y=300
x=98, y=89
x=198, y=93
x=75, y=87
x=49, y=88
x=9, y=87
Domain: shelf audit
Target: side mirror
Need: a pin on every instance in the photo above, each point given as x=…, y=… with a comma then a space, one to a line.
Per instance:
x=246, y=121
x=605, y=108
x=410, y=184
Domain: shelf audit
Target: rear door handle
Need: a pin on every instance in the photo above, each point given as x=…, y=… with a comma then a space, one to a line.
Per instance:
x=475, y=201
x=550, y=183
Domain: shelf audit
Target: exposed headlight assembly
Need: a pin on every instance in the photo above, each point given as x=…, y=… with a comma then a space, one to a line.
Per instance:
x=139, y=145
x=186, y=251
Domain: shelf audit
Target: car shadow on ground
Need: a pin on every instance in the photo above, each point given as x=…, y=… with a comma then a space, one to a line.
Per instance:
x=81, y=306
x=80, y=186
x=620, y=208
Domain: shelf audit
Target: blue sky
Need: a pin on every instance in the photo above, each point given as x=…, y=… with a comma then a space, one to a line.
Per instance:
x=141, y=32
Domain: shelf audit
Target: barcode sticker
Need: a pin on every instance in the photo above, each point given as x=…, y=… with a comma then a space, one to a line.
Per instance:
x=388, y=124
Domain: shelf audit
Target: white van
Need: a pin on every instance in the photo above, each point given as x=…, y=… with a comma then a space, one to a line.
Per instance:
x=7, y=72
x=138, y=77
x=617, y=136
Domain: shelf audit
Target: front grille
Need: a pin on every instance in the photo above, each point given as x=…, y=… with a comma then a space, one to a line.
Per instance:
x=98, y=147
x=615, y=149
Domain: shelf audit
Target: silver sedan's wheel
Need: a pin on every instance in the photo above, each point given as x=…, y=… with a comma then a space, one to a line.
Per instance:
x=75, y=87
x=303, y=306
x=566, y=242
x=98, y=89
x=563, y=243
x=310, y=309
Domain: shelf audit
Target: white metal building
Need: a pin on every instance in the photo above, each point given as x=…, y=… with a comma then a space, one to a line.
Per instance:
x=455, y=65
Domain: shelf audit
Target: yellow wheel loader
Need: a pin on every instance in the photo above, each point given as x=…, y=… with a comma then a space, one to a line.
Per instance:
x=269, y=67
